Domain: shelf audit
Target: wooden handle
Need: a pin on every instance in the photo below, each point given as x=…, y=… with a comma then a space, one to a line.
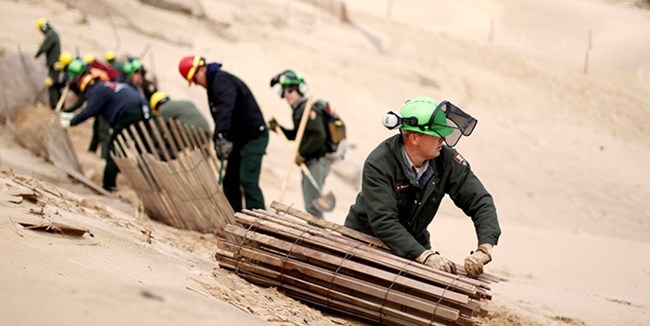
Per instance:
x=301, y=131
x=59, y=104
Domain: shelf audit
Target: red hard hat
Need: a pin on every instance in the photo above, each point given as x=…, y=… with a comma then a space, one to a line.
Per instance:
x=188, y=66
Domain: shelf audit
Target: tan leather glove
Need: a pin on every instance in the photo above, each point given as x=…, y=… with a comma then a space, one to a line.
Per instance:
x=475, y=262
x=273, y=124
x=434, y=259
x=299, y=159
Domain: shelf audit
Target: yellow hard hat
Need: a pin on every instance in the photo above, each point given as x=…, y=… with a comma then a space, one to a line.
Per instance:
x=156, y=100
x=89, y=58
x=64, y=59
x=41, y=24
x=109, y=55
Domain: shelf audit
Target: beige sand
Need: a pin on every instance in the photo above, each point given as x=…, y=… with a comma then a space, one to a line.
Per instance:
x=564, y=153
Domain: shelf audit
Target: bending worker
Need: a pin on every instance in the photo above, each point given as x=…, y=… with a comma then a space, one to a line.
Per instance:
x=181, y=110
x=406, y=177
x=240, y=132
x=119, y=104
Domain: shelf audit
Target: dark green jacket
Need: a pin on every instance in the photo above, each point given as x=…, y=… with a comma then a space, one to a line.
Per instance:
x=313, y=139
x=51, y=46
x=393, y=207
x=184, y=111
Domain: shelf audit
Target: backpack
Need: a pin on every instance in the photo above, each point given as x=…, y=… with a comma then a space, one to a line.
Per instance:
x=334, y=126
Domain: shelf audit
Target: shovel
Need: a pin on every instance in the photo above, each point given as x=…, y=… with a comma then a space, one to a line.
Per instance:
x=324, y=203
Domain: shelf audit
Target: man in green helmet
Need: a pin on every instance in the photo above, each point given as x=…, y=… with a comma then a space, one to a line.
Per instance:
x=136, y=77
x=406, y=177
x=312, y=148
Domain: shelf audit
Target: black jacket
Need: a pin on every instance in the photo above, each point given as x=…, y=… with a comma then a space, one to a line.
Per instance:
x=393, y=207
x=235, y=112
x=313, y=140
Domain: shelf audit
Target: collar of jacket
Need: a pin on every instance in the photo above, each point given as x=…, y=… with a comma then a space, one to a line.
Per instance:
x=298, y=103
x=396, y=148
x=211, y=71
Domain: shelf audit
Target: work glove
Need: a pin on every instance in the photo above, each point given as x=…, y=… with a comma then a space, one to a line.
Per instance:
x=65, y=118
x=48, y=81
x=434, y=259
x=476, y=260
x=299, y=159
x=223, y=148
x=273, y=124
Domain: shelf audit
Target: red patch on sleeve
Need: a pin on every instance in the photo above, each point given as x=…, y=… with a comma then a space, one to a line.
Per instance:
x=460, y=159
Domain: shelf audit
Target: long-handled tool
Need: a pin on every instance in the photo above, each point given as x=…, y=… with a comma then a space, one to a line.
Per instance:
x=59, y=104
x=294, y=151
x=324, y=202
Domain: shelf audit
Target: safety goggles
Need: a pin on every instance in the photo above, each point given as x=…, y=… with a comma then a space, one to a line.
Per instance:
x=287, y=89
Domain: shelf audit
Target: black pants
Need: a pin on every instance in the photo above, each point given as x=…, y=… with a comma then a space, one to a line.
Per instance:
x=132, y=116
x=53, y=91
x=101, y=136
x=243, y=173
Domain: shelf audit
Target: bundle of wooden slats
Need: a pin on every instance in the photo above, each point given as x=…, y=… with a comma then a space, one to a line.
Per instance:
x=37, y=129
x=34, y=125
x=331, y=266
x=172, y=168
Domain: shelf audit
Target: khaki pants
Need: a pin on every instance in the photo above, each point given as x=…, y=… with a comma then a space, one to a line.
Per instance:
x=319, y=168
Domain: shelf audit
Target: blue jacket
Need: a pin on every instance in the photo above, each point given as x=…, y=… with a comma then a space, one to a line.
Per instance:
x=111, y=100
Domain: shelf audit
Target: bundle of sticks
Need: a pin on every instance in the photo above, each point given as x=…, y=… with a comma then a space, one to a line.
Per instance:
x=331, y=266
x=172, y=168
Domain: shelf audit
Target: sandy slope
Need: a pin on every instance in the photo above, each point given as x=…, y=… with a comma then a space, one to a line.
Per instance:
x=564, y=153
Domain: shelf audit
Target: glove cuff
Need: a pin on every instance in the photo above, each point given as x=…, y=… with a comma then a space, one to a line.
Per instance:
x=485, y=250
x=422, y=258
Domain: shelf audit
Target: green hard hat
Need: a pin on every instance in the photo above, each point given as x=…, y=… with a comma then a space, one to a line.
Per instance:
x=132, y=66
x=75, y=68
x=423, y=109
x=287, y=78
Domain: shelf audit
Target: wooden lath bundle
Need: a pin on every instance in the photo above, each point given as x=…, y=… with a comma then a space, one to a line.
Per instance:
x=176, y=179
x=37, y=129
x=352, y=274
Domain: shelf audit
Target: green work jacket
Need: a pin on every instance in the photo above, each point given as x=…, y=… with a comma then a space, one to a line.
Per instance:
x=51, y=46
x=395, y=208
x=184, y=111
x=314, y=137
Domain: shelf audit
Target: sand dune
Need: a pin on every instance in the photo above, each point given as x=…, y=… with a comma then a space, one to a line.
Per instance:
x=565, y=153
